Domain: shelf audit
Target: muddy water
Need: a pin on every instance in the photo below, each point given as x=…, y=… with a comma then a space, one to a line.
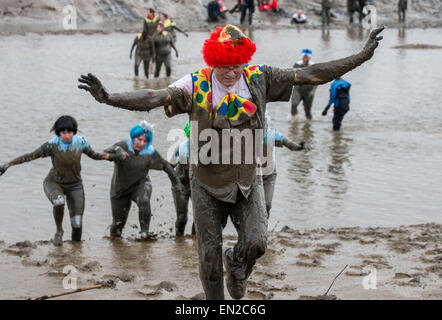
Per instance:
x=383, y=169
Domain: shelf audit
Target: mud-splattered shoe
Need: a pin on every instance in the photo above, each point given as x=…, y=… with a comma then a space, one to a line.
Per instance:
x=58, y=239
x=76, y=234
x=235, y=286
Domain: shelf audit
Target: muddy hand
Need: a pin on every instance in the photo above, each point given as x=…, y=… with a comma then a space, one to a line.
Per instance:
x=304, y=146
x=3, y=169
x=373, y=39
x=94, y=86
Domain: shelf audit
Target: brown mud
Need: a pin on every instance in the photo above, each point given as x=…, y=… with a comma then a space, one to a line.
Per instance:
x=299, y=264
x=105, y=16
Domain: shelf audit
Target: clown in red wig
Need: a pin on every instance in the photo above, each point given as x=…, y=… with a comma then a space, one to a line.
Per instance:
x=227, y=96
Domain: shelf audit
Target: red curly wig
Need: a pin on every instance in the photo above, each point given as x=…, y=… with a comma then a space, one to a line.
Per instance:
x=227, y=46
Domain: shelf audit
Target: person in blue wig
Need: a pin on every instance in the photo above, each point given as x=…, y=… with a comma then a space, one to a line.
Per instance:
x=340, y=98
x=64, y=178
x=305, y=92
x=181, y=197
x=134, y=158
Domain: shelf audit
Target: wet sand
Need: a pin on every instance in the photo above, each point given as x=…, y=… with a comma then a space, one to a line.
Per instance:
x=298, y=264
x=105, y=16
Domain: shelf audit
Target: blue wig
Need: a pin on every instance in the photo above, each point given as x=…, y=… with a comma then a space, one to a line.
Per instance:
x=138, y=130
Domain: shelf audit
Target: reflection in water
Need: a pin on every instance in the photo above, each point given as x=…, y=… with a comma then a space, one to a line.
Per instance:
x=156, y=84
x=325, y=34
x=339, y=158
x=301, y=165
x=356, y=32
x=250, y=33
x=401, y=33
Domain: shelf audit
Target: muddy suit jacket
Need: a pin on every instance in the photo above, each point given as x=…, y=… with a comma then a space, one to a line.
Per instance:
x=223, y=181
x=163, y=44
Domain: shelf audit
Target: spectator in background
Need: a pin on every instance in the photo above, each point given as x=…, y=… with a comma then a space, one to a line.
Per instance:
x=299, y=17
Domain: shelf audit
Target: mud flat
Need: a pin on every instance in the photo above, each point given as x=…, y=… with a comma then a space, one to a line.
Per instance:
x=383, y=263
x=103, y=16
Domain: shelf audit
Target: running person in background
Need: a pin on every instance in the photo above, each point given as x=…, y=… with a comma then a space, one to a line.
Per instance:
x=340, y=97
x=402, y=8
x=244, y=6
x=130, y=182
x=170, y=26
x=304, y=93
x=326, y=6
x=144, y=52
x=163, y=42
x=64, y=179
x=181, y=197
x=274, y=138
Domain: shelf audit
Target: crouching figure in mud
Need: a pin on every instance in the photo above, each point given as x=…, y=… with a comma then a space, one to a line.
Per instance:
x=130, y=182
x=228, y=97
x=64, y=179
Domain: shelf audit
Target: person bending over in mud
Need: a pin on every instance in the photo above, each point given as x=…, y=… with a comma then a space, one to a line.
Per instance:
x=274, y=138
x=144, y=52
x=304, y=93
x=181, y=197
x=340, y=98
x=64, y=179
x=134, y=158
x=229, y=94
x=163, y=43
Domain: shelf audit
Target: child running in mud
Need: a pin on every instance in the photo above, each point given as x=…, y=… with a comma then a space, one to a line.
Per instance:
x=64, y=179
x=274, y=138
x=130, y=182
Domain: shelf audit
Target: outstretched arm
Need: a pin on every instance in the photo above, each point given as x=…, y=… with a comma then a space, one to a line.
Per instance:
x=41, y=152
x=158, y=163
x=98, y=155
x=321, y=73
x=140, y=100
x=178, y=29
x=293, y=146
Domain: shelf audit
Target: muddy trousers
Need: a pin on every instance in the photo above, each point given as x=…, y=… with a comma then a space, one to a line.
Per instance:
x=306, y=97
x=339, y=113
x=269, y=182
x=74, y=193
x=325, y=15
x=181, y=201
x=244, y=9
x=121, y=206
x=167, y=63
x=250, y=220
x=138, y=61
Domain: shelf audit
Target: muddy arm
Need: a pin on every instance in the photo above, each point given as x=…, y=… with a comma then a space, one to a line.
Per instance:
x=98, y=155
x=321, y=73
x=293, y=146
x=133, y=46
x=141, y=100
x=41, y=152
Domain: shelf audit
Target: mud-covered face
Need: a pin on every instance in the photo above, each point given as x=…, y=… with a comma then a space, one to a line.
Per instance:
x=66, y=136
x=160, y=28
x=228, y=75
x=139, y=142
x=305, y=60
